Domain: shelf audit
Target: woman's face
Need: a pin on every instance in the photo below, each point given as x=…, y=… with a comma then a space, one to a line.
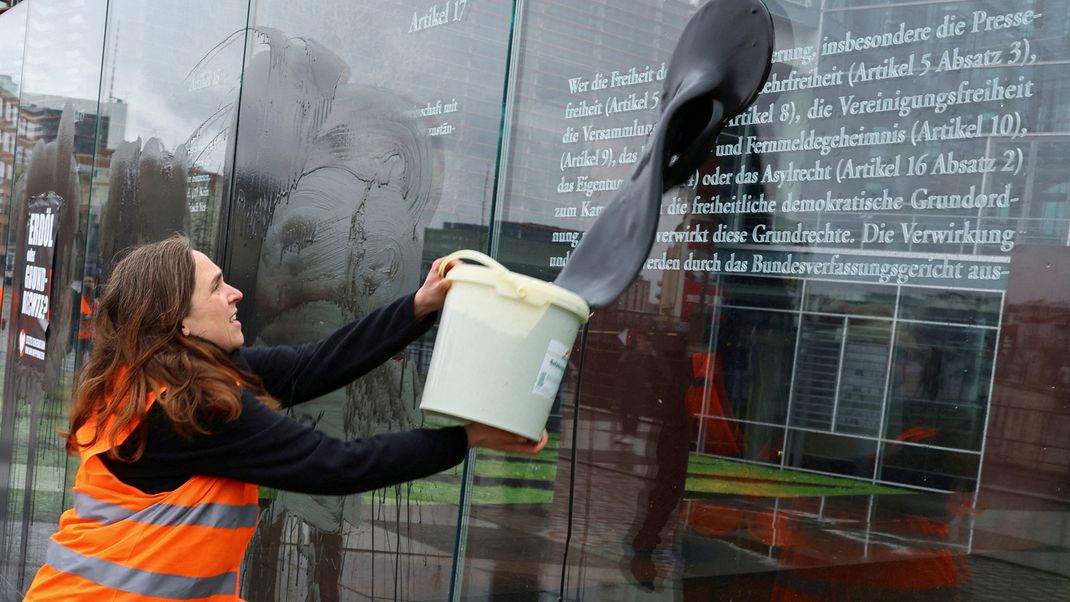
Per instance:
x=213, y=311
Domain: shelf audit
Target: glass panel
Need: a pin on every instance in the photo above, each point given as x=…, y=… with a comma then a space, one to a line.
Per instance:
x=366, y=147
x=877, y=250
x=886, y=179
x=58, y=129
x=627, y=428
x=13, y=29
x=162, y=169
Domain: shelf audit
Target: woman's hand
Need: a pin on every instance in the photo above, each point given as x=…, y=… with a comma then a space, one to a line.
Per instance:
x=432, y=294
x=488, y=437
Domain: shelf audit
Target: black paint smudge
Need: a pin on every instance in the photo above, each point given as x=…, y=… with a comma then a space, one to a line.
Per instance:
x=146, y=197
x=333, y=188
x=52, y=168
x=288, y=87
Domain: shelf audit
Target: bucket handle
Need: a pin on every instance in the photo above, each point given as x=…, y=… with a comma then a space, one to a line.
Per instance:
x=471, y=255
x=486, y=261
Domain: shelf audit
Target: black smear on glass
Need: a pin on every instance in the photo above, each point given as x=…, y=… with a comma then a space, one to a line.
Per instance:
x=288, y=87
x=349, y=231
x=333, y=186
x=147, y=197
x=719, y=65
x=287, y=92
x=52, y=168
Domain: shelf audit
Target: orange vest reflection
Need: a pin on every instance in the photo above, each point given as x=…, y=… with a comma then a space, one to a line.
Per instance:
x=706, y=397
x=85, y=323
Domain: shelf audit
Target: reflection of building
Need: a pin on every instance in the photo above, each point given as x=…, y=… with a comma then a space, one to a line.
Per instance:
x=203, y=189
x=9, y=107
x=30, y=119
x=96, y=127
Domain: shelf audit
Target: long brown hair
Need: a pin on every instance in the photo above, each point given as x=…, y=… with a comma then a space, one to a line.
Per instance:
x=138, y=348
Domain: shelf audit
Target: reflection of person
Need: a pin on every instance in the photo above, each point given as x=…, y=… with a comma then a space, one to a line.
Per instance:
x=654, y=378
x=175, y=427
x=641, y=370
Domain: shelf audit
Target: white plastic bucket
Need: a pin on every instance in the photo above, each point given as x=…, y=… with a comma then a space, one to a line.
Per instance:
x=502, y=348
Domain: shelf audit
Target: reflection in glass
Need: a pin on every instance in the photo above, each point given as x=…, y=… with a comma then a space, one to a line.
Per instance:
x=929, y=467
x=971, y=308
x=863, y=369
x=850, y=456
x=736, y=435
x=365, y=149
x=941, y=378
x=743, y=440
x=845, y=298
x=757, y=377
x=821, y=349
x=57, y=129
x=766, y=293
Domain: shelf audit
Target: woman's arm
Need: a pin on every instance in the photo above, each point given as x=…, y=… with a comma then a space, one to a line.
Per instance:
x=300, y=373
x=268, y=448
x=293, y=374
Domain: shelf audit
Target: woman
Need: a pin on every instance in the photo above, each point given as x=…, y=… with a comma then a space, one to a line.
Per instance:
x=176, y=425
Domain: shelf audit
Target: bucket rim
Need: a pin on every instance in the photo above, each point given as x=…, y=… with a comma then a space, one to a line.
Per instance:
x=493, y=274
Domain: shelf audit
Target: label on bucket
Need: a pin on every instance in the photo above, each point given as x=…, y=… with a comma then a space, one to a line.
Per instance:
x=552, y=370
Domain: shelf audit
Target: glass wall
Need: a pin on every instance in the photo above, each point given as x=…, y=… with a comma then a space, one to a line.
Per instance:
x=57, y=129
x=841, y=373
x=802, y=389
x=366, y=147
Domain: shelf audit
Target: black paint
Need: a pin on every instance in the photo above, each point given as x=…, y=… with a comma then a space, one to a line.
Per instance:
x=716, y=71
x=334, y=184
x=288, y=87
x=147, y=197
x=52, y=170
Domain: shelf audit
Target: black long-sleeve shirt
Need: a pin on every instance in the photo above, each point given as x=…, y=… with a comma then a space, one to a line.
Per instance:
x=268, y=448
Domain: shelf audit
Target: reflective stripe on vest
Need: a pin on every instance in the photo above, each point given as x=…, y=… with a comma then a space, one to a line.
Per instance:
x=120, y=543
x=137, y=581
x=220, y=516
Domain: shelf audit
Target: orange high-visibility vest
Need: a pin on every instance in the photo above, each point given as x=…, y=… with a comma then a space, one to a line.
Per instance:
x=120, y=544
x=85, y=322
